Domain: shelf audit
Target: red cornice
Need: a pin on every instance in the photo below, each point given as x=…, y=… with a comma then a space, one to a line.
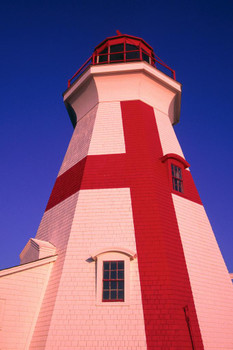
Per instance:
x=176, y=157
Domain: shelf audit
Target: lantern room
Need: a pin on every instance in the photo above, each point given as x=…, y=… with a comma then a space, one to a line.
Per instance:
x=123, y=48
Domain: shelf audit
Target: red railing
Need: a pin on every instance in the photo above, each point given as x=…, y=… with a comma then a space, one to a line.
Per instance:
x=123, y=56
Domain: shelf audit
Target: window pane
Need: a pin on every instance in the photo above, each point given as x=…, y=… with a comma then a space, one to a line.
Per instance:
x=121, y=285
x=113, y=285
x=106, y=285
x=120, y=274
x=145, y=57
x=180, y=186
x=132, y=55
x=130, y=47
x=103, y=58
x=173, y=183
x=121, y=295
x=113, y=294
x=106, y=275
x=173, y=170
x=106, y=265
x=117, y=48
x=117, y=56
x=113, y=265
x=106, y=295
x=113, y=275
x=179, y=173
x=120, y=265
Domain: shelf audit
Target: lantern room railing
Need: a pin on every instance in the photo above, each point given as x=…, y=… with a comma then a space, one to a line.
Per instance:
x=122, y=57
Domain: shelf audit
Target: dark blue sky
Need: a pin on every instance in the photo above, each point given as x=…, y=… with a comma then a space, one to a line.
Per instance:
x=44, y=42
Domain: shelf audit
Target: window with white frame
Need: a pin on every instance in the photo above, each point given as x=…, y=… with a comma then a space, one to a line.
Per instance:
x=113, y=276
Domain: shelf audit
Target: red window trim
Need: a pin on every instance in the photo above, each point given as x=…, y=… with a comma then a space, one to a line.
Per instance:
x=175, y=159
x=180, y=180
x=189, y=189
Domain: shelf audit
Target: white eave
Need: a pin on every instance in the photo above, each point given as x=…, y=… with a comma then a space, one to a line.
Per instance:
x=27, y=266
x=121, y=68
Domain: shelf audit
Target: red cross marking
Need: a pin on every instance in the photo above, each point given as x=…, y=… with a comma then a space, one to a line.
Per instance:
x=164, y=279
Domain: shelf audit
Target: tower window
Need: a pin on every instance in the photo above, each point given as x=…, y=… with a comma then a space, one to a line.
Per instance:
x=113, y=276
x=132, y=52
x=103, y=58
x=177, y=180
x=117, y=53
x=113, y=281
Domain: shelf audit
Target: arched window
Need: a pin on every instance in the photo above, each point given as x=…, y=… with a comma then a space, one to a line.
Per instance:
x=113, y=275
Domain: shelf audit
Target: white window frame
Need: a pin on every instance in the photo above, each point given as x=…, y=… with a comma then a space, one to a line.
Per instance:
x=113, y=254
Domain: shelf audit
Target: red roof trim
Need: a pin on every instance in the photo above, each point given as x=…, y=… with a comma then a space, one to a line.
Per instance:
x=124, y=36
x=176, y=157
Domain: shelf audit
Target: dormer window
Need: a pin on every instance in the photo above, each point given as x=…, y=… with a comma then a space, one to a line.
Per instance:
x=177, y=179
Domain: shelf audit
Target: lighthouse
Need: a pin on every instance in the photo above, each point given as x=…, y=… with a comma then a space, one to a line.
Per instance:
x=124, y=257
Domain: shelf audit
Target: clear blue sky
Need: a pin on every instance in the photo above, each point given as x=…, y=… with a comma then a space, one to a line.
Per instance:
x=44, y=42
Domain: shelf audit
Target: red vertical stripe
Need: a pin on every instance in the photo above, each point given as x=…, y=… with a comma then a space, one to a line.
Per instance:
x=164, y=278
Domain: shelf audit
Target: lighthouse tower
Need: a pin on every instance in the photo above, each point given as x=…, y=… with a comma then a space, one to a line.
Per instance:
x=124, y=257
